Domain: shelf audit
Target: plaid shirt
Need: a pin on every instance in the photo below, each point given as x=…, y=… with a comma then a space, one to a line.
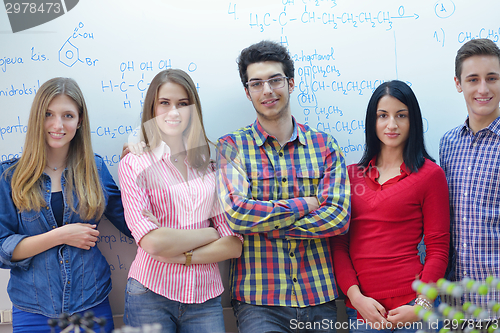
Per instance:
x=286, y=257
x=472, y=167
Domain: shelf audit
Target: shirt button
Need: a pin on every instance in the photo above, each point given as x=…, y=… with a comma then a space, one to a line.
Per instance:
x=48, y=191
x=465, y=245
x=68, y=282
x=469, y=168
x=292, y=255
x=474, y=144
x=294, y=279
x=465, y=194
x=53, y=227
x=464, y=219
x=276, y=227
x=281, y=154
x=61, y=261
x=284, y=180
x=465, y=273
x=67, y=261
x=47, y=207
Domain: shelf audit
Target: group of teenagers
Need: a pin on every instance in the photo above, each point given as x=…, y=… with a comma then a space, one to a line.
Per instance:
x=277, y=199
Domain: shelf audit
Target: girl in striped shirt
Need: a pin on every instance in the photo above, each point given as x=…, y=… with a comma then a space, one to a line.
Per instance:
x=171, y=208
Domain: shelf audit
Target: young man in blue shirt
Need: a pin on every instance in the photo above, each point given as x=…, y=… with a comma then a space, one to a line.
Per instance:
x=470, y=157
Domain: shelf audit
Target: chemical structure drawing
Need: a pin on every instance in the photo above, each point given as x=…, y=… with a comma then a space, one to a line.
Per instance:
x=69, y=54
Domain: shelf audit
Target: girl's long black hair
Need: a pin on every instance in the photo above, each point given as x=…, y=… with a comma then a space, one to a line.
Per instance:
x=414, y=152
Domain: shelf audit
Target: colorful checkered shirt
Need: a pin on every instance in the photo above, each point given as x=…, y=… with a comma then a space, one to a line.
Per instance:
x=472, y=167
x=286, y=258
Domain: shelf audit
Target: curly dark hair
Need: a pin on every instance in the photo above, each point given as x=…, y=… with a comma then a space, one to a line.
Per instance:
x=264, y=51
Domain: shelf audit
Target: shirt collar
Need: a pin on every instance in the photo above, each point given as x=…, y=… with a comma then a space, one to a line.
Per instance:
x=371, y=170
x=261, y=135
x=160, y=150
x=493, y=127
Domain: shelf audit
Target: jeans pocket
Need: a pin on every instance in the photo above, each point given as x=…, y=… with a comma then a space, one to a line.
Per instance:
x=134, y=287
x=236, y=306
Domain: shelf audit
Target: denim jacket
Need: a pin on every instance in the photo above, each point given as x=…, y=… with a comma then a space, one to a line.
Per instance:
x=63, y=279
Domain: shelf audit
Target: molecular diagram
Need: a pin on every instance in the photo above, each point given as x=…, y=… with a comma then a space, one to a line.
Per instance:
x=69, y=54
x=76, y=323
x=454, y=315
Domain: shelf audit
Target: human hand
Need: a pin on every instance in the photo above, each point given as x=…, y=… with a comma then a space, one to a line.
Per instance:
x=137, y=148
x=125, y=150
x=372, y=312
x=80, y=235
x=312, y=203
x=402, y=314
x=151, y=218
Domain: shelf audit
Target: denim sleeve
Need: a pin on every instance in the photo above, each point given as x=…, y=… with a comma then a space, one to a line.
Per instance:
x=114, y=207
x=8, y=245
x=9, y=226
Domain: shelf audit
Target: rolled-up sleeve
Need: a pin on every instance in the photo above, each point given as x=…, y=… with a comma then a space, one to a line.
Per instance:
x=134, y=197
x=245, y=214
x=334, y=195
x=220, y=222
x=286, y=218
x=9, y=226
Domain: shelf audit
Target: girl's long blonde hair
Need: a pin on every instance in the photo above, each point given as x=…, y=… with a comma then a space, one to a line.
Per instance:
x=81, y=176
x=198, y=149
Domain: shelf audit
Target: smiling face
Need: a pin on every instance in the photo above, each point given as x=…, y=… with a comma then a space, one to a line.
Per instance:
x=480, y=83
x=270, y=104
x=172, y=111
x=393, y=123
x=61, y=123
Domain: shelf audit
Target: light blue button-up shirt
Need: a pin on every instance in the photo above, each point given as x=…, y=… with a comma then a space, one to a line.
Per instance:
x=471, y=163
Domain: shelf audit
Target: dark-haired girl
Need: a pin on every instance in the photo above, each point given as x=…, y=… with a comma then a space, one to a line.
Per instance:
x=398, y=195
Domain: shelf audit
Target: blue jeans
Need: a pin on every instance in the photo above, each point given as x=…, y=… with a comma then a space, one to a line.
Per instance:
x=268, y=319
x=142, y=306
x=356, y=326
x=26, y=322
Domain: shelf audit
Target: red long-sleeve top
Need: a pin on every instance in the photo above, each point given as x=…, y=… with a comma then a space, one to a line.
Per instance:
x=379, y=253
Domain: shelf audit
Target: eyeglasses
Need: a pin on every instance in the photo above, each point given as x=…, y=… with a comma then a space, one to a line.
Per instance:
x=274, y=83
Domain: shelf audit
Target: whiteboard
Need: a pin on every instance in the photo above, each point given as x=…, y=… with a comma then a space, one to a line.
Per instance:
x=343, y=49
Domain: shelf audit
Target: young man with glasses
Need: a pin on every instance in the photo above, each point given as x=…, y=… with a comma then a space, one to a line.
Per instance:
x=284, y=187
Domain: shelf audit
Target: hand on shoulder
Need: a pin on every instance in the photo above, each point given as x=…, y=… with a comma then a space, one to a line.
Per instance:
x=133, y=148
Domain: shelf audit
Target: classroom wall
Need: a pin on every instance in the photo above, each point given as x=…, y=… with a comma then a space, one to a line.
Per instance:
x=342, y=51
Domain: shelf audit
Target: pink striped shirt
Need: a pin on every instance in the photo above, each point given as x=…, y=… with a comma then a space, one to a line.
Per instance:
x=152, y=182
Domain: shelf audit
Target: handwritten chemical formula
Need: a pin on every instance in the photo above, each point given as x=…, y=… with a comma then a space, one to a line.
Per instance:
x=320, y=13
x=69, y=53
x=134, y=80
